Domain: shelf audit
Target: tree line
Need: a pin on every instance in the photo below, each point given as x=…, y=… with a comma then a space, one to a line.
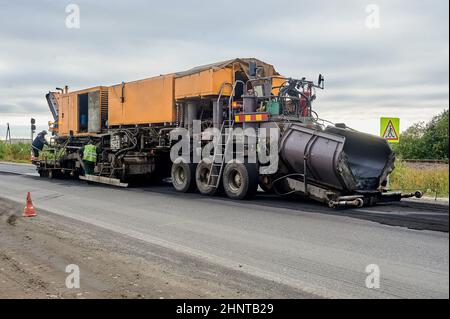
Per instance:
x=425, y=140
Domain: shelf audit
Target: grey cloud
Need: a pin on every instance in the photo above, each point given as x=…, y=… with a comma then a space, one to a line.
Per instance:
x=388, y=98
x=136, y=39
x=24, y=107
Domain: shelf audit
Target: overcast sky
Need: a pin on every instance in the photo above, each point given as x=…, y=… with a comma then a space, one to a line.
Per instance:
x=400, y=69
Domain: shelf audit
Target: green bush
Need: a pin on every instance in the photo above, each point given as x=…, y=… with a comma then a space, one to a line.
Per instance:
x=21, y=152
x=2, y=151
x=15, y=152
x=425, y=140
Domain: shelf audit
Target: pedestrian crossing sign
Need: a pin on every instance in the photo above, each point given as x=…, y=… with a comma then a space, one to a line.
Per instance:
x=390, y=129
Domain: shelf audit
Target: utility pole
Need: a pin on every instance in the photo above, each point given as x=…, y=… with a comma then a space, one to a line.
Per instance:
x=8, y=134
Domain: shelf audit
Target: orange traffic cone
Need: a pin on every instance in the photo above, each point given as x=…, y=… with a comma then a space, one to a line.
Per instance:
x=29, y=210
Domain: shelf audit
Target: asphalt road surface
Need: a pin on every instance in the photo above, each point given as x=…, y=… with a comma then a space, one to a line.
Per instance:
x=24, y=169
x=304, y=245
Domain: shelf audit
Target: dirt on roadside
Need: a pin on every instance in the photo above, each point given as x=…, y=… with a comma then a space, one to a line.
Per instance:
x=34, y=254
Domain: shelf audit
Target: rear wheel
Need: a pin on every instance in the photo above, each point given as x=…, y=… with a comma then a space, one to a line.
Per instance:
x=240, y=181
x=202, y=175
x=183, y=177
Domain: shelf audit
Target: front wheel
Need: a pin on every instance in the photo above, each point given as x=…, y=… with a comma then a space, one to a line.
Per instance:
x=42, y=173
x=240, y=181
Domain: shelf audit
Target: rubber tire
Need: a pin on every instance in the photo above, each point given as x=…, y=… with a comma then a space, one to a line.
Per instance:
x=200, y=178
x=249, y=180
x=42, y=173
x=54, y=174
x=188, y=183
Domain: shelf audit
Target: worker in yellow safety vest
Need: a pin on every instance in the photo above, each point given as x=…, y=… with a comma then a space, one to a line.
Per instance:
x=89, y=157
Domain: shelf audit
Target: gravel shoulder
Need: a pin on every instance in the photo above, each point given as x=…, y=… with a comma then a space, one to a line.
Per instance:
x=34, y=253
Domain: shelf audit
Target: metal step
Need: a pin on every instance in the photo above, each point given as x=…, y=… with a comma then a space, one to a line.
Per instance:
x=103, y=180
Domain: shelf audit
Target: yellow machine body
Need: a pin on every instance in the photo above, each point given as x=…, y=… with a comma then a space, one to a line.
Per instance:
x=73, y=105
x=149, y=101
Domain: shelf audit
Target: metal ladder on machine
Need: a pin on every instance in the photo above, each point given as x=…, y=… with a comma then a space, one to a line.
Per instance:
x=220, y=151
x=226, y=133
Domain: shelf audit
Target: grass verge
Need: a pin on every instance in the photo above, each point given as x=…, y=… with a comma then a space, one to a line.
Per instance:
x=19, y=153
x=431, y=179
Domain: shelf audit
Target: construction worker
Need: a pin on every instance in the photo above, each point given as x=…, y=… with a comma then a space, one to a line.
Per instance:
x=38, y=143
x=89, y=152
